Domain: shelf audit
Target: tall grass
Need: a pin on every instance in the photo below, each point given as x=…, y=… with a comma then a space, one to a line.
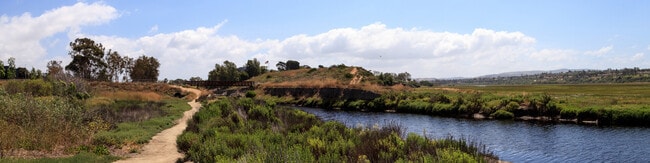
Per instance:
x=40, y=123
x=46, y=118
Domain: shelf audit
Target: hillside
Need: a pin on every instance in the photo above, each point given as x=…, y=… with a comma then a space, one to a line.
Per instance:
x=334, y=76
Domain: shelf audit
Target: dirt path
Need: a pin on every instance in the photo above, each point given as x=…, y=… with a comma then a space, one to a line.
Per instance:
x=162, y=147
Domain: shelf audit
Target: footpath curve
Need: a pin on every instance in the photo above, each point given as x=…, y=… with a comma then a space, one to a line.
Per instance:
x=162, y=147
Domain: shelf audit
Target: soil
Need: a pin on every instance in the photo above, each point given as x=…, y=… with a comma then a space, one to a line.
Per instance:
x=162, y=147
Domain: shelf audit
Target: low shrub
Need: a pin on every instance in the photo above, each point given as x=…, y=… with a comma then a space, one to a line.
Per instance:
x=251, y=94
x=502, y=114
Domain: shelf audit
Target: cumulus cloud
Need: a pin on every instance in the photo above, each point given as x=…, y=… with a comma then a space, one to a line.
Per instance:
x=185, y=53
x=423, y=53
x=22, y=35
x=600, y=52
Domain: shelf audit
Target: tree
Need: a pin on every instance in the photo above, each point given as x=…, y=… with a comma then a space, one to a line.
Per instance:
x=128, y=66
x=253, y=68
x=87, y=59
x=2, y=70
x=196, y=78
x=293, y=65
x=11, y=70
x=145, y=69
x=115, y=65
x=281, y=66
x=387, y=79
x=54, y=69
x=33, y=74
x=403, y=77
x=227, y=72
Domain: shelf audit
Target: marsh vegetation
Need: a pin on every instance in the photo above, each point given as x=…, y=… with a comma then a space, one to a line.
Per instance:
x=247, y=130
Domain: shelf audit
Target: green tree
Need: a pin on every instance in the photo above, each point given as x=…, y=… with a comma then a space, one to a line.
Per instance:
x=11, y=69
x=403, y=77
x=281, y=66
x=2, y=70
x=145, y=69
x=253, y=68
x=128, y=63
x=293, y=65
x=33, y=74
x=196, y=78
x=116, y=65
x=226, y=72
x=87, y=59
x=387, y=79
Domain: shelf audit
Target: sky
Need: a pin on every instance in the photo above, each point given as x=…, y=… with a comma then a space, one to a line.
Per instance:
x=428, y=38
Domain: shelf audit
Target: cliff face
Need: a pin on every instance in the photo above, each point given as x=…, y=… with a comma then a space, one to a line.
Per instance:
x=324, y=93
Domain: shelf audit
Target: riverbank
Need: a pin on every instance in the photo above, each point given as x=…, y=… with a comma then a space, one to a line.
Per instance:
x=560, y=104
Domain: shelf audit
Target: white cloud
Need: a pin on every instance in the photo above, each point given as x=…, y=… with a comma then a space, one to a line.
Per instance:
x=423, y=53
x=21, y=35
x=153, y=29
x=185, y=53
x=637, y=56
x=600, y=52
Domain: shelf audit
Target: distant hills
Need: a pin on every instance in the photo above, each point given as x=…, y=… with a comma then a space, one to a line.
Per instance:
x=560, y=76
x=524, y=73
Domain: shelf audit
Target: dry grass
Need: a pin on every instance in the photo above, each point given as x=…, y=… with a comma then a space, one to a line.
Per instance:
x=313, y=83
x=131, y=95
x=160, y=88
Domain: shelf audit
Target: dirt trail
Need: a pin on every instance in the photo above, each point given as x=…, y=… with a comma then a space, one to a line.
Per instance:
x=162, y=147
x=356, y=79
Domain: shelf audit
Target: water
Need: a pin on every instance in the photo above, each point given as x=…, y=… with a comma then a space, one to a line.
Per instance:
x=518, y=141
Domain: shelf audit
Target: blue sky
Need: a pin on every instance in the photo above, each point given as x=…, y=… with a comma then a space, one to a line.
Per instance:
x=426, y=38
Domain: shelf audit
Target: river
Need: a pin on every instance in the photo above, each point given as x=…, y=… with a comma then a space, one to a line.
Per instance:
x=517, y=141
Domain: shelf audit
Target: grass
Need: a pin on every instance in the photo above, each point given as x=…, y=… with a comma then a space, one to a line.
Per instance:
x=139, y=132
x=606, y=104
x=245, y=130
x=57, y=119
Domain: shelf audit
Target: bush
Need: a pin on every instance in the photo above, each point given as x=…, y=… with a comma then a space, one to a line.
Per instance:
x=250, y=94
x=502, y=114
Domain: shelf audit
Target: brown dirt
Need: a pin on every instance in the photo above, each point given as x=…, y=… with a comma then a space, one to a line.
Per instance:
x=162, y=147
x=357, y=78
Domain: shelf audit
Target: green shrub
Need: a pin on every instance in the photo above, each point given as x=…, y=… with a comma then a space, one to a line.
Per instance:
x=250, y=94
x=502, y=114
x=297, y=136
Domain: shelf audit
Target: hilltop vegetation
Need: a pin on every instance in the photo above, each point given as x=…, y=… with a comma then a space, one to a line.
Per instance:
x=334, y=76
